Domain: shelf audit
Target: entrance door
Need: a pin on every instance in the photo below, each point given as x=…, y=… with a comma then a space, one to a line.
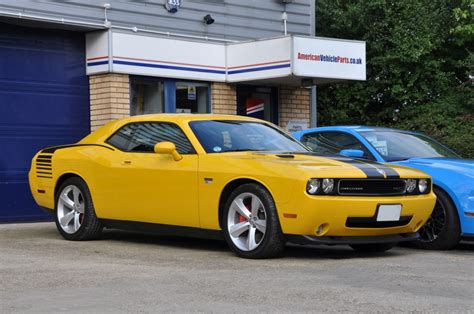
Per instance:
x=44, y=101
x=258, y=102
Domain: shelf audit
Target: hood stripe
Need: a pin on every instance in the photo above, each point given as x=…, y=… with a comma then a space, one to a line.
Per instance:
x=370, y=171
x=390, y=173
x=373, y=170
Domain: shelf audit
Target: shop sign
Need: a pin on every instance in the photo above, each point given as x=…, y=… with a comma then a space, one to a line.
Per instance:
x=329, y=58
x=296, y=125
x=172, y=5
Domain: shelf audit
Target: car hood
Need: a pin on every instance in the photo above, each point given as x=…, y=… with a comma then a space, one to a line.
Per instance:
x=461, y=166
x=330, y=166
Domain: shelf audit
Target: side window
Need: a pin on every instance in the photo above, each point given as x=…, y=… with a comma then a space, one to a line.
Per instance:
x=142, y=137
x=333, y=143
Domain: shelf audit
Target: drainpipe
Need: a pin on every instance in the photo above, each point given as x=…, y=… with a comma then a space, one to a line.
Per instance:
x=314, y=99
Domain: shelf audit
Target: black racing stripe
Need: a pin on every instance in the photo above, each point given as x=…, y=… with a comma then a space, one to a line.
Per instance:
x=52, y=149
x=369, y=171
x=372, y=169
x=390, y=173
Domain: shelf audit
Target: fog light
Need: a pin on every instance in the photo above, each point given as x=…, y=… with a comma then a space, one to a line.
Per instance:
x=422, y=185
x=322, y=229
x=313, y=186
x=328, y=185
x=410, y=185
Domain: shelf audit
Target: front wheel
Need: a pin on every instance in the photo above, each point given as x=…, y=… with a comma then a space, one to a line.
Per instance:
x=442, y=230
x=250, y=223
x=373, y=247
x=75, y=214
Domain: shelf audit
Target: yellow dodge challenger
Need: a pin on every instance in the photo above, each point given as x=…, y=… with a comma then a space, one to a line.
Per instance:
x=234, y=177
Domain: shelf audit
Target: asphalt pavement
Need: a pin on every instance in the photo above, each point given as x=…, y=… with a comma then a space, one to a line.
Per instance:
x=127, y=272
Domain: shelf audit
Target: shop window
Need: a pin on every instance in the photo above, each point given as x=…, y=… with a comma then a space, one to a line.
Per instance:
x=192, y=97
x=142, y=137
x=147, y=96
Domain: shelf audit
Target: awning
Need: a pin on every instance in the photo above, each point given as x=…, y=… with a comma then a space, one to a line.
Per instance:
x=290, y=60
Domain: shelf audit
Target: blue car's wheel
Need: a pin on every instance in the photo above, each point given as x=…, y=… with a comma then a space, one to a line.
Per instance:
x=441, y=231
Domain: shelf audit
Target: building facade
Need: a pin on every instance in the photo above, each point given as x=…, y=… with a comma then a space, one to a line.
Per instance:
x=69, y=67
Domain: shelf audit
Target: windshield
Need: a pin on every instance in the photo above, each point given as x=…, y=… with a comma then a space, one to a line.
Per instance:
x=219, y=136
x=393, y=145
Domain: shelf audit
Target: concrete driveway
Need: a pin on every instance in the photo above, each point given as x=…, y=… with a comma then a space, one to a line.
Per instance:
x=126, y=272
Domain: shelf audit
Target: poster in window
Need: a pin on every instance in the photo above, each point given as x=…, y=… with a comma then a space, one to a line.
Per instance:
x=254, y=107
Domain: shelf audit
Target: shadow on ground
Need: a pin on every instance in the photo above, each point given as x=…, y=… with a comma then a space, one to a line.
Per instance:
x=291, y=251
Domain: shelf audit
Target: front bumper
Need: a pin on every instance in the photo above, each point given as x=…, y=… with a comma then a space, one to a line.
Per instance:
x=313, y=240
x=353, y=216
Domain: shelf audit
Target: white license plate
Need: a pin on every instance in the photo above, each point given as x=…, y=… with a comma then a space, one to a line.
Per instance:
x=389, y=212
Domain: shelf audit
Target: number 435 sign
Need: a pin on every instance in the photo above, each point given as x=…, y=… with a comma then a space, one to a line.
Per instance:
x=172, y=5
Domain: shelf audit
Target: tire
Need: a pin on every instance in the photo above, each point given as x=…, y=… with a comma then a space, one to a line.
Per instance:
x=74, y=212
x=373, y=247
x=256, y=229
x=442, y=230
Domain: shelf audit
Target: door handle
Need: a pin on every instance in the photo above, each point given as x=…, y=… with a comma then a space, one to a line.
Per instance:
x=127, y=162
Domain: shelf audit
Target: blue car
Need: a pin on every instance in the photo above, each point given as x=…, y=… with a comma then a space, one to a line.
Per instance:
x=453, y=177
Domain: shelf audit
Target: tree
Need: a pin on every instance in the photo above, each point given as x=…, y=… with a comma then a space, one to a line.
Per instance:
x=419, y=58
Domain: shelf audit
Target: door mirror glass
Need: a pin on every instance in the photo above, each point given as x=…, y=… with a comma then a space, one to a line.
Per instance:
x=168, y=148
x=354, y=153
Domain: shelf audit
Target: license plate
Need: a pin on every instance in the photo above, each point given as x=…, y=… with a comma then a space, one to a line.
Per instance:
x=389, y=212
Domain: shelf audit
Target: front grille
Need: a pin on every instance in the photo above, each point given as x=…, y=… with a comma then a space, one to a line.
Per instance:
x=372, y=187
x=44, y=167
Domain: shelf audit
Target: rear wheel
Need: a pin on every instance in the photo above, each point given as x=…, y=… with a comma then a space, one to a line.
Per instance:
x=373, y=247
x=250, y=223
x=442, y=230
x=75, y=214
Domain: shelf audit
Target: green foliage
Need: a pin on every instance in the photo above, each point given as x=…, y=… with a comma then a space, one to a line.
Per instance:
x=419, y=57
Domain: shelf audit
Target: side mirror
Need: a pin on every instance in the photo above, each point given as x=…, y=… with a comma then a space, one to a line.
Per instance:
x=354, y=153
x=169, y=149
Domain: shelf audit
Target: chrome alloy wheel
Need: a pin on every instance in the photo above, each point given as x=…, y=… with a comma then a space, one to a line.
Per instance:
x=247, y=221
x=70, y=209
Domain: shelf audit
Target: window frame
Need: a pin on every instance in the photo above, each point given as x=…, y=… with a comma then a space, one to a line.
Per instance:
x=192, y=152
x=139, y=78
x=169, y=91
x=365, y=150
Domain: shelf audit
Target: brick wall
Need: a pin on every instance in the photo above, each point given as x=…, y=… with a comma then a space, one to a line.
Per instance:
x=294, y=104
x=109, y=98
x=224, y=98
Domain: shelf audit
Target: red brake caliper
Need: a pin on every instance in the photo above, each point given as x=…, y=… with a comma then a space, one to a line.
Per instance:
x=242, y=218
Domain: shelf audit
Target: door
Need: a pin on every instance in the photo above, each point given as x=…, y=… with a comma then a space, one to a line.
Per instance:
x=258, y=102
x=150, y=187
x=44, y=101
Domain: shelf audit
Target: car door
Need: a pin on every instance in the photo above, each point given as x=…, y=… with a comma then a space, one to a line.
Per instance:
x=151, y=187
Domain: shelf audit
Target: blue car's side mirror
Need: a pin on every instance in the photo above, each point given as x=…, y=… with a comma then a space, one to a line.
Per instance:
x=354, y=153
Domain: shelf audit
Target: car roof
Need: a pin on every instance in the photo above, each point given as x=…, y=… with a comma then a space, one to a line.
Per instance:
x=357, y=128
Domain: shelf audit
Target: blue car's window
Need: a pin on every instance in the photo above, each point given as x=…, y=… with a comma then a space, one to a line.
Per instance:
x=219, y=136
x=396, y=145
x=142, y=137
x=331, y=143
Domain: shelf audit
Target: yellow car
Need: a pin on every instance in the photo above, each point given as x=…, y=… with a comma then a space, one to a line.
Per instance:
x=225, y=176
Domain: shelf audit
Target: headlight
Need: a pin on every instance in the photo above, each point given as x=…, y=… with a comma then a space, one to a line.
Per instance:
x=313, y=185
x=328, y=185
x=422, y=185
x=410, y=185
